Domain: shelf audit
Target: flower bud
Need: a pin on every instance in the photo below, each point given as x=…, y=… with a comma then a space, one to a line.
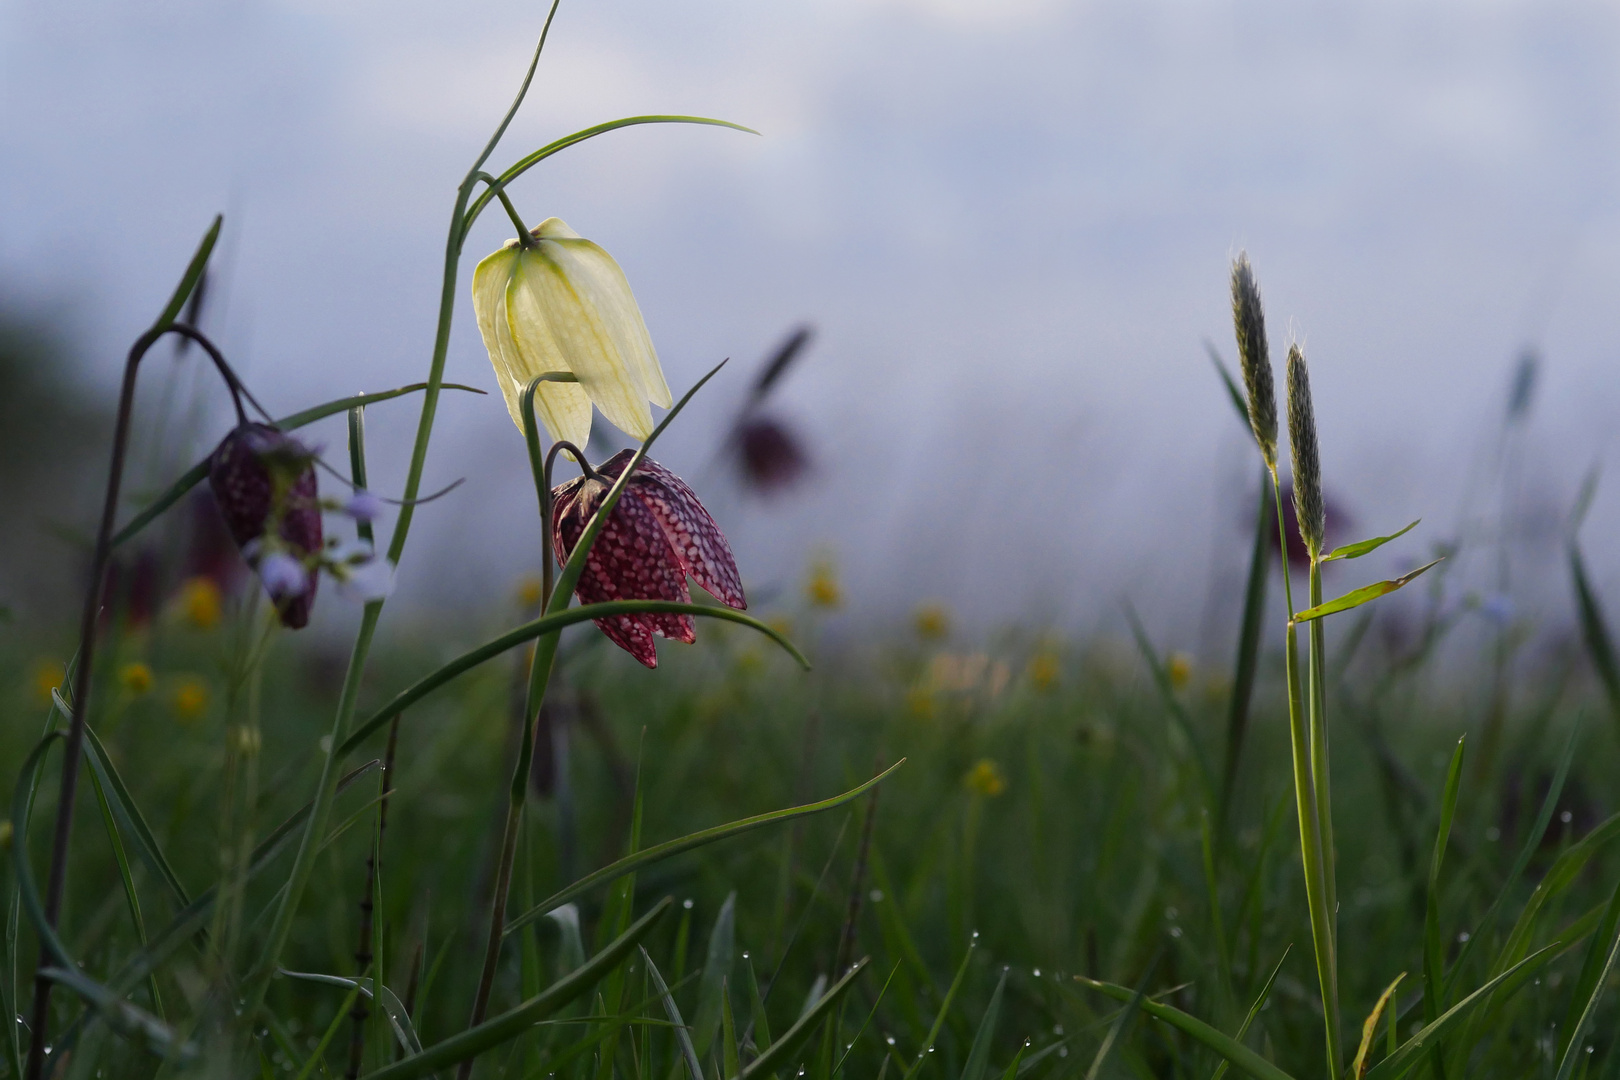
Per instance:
x=264, y=483
x=559, y=303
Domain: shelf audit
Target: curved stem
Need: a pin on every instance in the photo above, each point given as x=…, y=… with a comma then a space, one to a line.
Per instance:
x=524, y=236
x=238, y=391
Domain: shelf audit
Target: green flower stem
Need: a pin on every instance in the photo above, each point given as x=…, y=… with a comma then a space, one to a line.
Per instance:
x=304, y=862
x=1320, y=775
x=1310, y=836
x=524, y=236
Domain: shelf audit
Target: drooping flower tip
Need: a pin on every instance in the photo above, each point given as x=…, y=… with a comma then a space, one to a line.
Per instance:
x=561, y=304
x=657, y=536
x=264, y=483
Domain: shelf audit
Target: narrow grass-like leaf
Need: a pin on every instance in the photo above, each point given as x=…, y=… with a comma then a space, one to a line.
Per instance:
x=331, y=1030
x=1527, y=850
x=392, y=1007
x=683, y=1034
x=1595, y=631
x=717, y=966
x=757, y=1020
x=199, y=472
x=1362, y=595
x=731, y=1053
x=1221, y=1043
x=130, y=814
x=850, y=1048
x=1233, y=390
x=1600, y=956
x=776, y=1054
x=1167, y=693
x=1362, y=547
x=1369, y=1029
x=978, y=1059
x=944, y=1011
x=1434, y=956
x=524, y=164
x=548, y=624
x=1254, y=1011
x=1570, y=862
x=1406, y=1056
x=659, y=852
x=1247, y=662
x=1121, y=1021
x=121, y=857
x=514, y=1022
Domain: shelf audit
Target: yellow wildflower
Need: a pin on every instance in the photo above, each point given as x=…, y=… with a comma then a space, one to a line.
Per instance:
x=135, y=677
x=932, y=622
x=985, y=779
x=47, y=677
x=1179, y=669
x=1043, y=670
x=920, y=703
x=201, y=602
x=528, y=591
x=823, y=589
x=190, y=699
x=5, y=835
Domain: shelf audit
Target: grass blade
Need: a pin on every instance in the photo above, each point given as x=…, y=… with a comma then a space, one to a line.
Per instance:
x=944, y=1011
x=1405, y=1057
x=1357, y=597
x=514, y=1022
x=124, y=805
x=659, y=852
x=1254, y=1011
x=1595, y=630
x=1224, y=1045
x=1362, y=547
x=683, y=1034
x=778, y=1051
x=978, y=1059
x=1248, y=652
x=717, y=966
x=1369, y=1029
x=1233, y=390
x=1121, y=1022
x=1434, y=956
x=1589, y=986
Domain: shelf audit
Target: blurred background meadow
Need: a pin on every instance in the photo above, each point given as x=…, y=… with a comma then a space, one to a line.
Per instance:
x=973, y=456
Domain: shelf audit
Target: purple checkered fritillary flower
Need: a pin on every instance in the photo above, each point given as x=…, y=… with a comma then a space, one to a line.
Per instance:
x=657, y=536
x=264, y=482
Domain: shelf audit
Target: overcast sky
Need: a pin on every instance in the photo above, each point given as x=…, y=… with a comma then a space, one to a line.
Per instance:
x=1011, y=223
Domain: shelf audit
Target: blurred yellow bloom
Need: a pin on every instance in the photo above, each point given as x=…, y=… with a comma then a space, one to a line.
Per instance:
x=932, y=622
x=248, y=740
x=135, y=677
x=920, y=703
x=560, y=303
x=985, y=779
x=959, y=674
x=47, y=676
x=200, y=602
x=823, y=588
x=1043, y=670
x=1180, y=670
x=528, y=591
x=190, y=699
x=781, y=624
x=5, y=835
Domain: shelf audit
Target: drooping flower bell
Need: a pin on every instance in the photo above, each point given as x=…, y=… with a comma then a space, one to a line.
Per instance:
x=657, y=536
x=559, y=303
x=264, y=482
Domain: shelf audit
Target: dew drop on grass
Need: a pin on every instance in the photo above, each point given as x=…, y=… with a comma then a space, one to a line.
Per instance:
x=687, y=903
x=1057, y=1029
x=889, y=1040
x=876, y=895
x=1175, y=931
x=1463, y=935
x=1493, y=834
x=1037, y=973
x=1063, y=1051
x=1566, y=817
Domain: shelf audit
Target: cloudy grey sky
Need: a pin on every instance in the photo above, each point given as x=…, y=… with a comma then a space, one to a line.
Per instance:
x=1011, y=223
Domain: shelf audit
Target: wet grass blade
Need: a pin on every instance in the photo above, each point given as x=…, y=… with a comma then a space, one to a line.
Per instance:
x=1599, y=963
x=1406, y=1056
x=1121, y=1022
x=131, y=897
x=514, y=1022
x=1362, y=595
x=683, y=1034
x=978, y=1059
x=776, y=1054
x=398, y=1018
x=944, y=1011
x=1254, y=1011
x=659, y=852
x=717, y=966
x=124, y=804
x=1227, y=1047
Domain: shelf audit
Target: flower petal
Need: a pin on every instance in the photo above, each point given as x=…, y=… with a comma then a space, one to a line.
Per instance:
x=632, y=559
x=564, y=408
x=703, y=549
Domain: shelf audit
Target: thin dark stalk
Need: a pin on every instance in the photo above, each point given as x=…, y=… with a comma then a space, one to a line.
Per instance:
x=56, y=883
x=362, y=953
x=1254, y=605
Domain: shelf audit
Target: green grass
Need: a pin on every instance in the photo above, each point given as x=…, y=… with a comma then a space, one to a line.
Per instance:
x=1090, y=860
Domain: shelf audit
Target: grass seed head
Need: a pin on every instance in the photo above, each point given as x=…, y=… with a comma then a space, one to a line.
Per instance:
x=1309, y=506
x=1249, y=324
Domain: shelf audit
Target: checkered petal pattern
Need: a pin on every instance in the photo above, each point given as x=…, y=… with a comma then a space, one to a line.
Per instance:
x=239, y=473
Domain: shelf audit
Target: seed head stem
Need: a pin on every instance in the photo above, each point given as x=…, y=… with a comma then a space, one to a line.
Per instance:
x=1254, y=355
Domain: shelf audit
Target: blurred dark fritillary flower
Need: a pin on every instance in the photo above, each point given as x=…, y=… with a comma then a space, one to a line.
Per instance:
x=264, y=484
x=771, y=456
x=658, y=535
